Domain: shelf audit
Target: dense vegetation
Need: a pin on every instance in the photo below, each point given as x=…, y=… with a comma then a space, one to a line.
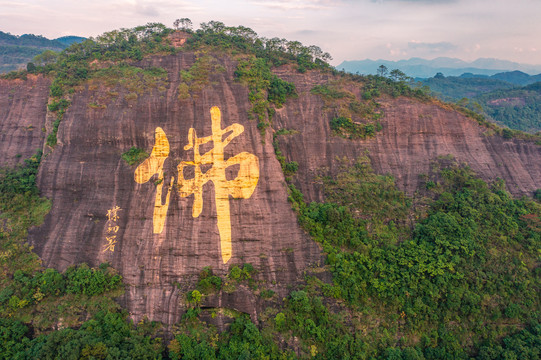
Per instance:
x=516, y=108
x=453, y=88
x=470, y=258
x=17, y=51
x=499, y=97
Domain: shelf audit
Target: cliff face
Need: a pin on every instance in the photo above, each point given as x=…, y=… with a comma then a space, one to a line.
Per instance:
x=23, y=106
x=106, y=210
x=414, y=134
x=103, y=212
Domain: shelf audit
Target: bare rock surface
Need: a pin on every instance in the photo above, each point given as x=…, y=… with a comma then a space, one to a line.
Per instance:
x=414, y=134
x=23, y=108
x=85, y=177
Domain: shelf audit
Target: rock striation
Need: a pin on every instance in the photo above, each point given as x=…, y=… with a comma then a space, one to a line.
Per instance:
x=23, y=109
x=105, y=210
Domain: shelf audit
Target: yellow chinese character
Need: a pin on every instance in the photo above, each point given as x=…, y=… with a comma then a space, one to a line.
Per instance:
x=112, y=229
x=154, y=165
x=241, y=187
x=112, y=214
x=111, y=242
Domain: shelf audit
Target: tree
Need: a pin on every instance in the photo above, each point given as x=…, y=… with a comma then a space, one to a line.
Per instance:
x=398, y=75
x=382, y=70
x=183, y=24
x=46, y=57
x=439, y=76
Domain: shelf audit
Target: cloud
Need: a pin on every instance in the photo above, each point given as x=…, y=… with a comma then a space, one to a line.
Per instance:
x=147, y=10
x=296, y=4
x=419, y=1
x=436, y=47
x=306, y=32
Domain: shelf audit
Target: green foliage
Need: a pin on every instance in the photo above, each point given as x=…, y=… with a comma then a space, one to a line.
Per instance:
x=60, y=108
x=243, y=340
x=107, y=335
x=134, y=79
x=290, y=168
x=517, y=108
x=470, y=232
x=88, y=281
x=329, y=92
x=348, y=129
x=265, y=89
x=280, y=90
x=452, y=88
x=243, y=40
x=134, y=155
x=194, y=296
x=208, y=282
x=507, y=133
x=60, y=105
x=198, y=76
x=537, y=194
x=244, y=273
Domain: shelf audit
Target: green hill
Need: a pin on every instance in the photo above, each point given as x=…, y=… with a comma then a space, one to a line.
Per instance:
x=17, y=51
x=517, y=108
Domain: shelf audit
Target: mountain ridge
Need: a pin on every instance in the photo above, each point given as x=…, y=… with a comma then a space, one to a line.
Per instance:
x=424, y=68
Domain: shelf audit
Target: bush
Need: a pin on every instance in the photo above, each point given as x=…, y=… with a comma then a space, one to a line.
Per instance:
x=290, y=168
x=84, y=280
x=507, y=133
x=134, y=156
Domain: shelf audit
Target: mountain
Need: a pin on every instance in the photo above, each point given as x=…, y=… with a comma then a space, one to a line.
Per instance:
x=518, y=108
x=423, y=68
x=454, y=88
x=17, y=51
x=256, y=203
x=68, y=40
x=517, y=77
x=500, y=96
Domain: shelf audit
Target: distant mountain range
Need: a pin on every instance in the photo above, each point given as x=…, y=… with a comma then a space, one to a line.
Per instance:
x=17, y=51
x=423, y=68
x=510, y=98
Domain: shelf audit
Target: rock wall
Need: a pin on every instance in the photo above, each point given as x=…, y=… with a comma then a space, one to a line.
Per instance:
x=414, y=134
x=106, y=210
x=100, y=213
x=23, y=108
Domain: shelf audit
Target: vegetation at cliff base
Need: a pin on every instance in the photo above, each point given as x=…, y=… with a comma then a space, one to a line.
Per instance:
x=470, y=258
x=48, y=314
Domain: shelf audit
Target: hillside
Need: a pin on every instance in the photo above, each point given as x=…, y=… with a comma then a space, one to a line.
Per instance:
x=501, y=96
x=17, y=51
x=518, y=108
x=453, y=88
x=257, y=203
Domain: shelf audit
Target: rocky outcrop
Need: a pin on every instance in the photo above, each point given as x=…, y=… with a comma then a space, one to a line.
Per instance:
x=106, y=210
x=414, y=134
x=23, y=108
x=100, y=213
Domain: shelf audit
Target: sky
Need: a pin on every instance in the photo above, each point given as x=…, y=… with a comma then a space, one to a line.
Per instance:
x=347, y=29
